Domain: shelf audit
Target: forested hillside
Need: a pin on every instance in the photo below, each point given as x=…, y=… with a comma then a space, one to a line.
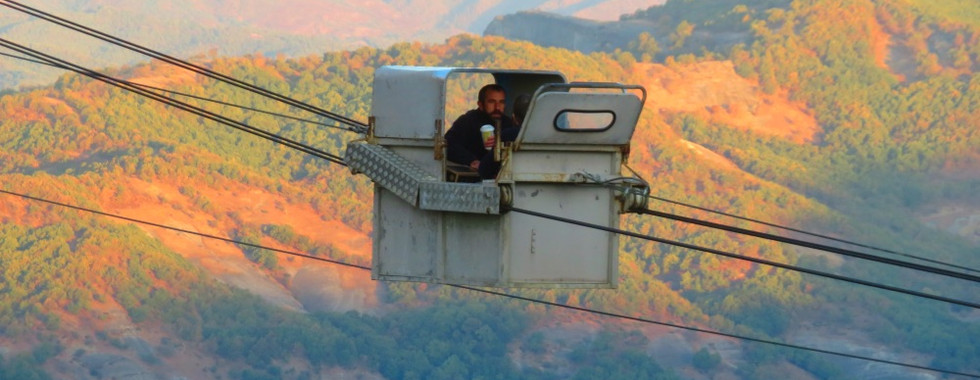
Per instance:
x=852, y=118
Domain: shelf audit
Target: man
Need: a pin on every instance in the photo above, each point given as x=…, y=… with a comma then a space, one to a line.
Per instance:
x=489, y=168
x=464, y=143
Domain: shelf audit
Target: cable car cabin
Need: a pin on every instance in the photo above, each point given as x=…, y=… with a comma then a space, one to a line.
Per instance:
x=429, y=227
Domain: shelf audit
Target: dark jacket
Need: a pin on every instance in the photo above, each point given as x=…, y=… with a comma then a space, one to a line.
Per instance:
x=464, y=144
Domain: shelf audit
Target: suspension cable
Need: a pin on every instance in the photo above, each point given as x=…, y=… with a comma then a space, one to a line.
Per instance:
x=623, y=184
x=713, y=332
x=822, y=236
x=821, y=247
x=246, y=108
x=752, y=259
x=512, y=296
x=178, y=229
x=28, y=59
x=360, y=127
x=177, y=104
x=271, y=113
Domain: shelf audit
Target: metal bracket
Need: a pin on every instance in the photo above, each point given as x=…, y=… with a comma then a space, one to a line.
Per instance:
x=633, y=193
x=439, y=142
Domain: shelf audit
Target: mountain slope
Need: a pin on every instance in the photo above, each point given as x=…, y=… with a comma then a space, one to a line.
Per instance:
x=187, y=28
x=707, y=137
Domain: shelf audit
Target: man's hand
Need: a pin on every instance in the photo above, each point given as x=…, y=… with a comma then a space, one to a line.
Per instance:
x=475, y=164
x=488, y=143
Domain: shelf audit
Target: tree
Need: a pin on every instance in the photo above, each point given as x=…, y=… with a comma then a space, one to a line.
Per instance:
x=681, y=33
x=705, y=360
x=645, y=47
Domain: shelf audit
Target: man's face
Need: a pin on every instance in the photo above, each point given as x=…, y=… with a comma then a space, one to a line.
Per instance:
x=493, y=104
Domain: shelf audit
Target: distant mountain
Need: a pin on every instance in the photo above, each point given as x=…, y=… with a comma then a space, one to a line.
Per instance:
x=567, y=32
x=185, y=28
x=675, y=31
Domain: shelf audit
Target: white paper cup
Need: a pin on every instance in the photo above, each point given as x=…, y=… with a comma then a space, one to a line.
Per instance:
x=487, y=132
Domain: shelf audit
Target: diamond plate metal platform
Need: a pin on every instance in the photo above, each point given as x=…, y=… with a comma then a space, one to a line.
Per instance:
x=460, y=197
x=416, y=186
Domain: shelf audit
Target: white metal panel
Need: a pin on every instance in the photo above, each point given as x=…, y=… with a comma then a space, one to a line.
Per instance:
x=407, y=242
x=472, y=249
x=540, y=126
x=407, y=101
x=559, y=166
x=547, y=251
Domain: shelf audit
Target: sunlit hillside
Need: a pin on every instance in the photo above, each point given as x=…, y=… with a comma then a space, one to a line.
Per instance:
x=831, y=118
